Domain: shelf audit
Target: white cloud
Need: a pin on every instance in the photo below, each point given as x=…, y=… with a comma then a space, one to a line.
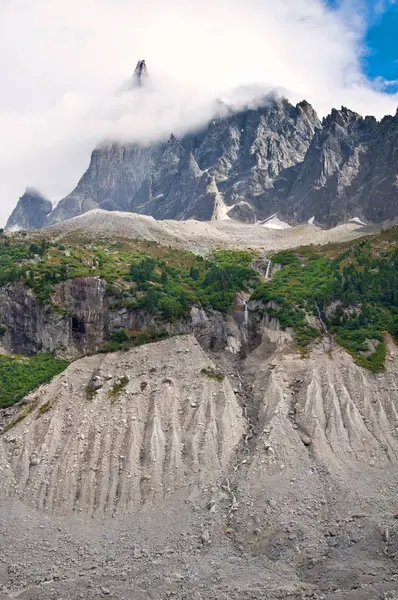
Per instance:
x=60, y=63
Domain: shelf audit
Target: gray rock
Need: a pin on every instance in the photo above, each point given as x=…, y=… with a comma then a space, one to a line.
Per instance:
x=105, y=591
x=96, y=383
x=205, y=537
x=31, y=211
x=350, y=163
x=277, y=158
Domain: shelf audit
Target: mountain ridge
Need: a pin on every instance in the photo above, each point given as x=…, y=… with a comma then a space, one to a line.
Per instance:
x=247, y=165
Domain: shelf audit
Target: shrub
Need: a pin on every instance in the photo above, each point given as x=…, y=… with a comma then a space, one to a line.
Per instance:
x=20, y=375
x=118, y=387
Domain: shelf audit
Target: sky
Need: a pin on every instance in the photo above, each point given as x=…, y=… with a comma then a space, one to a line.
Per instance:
x=64, y=67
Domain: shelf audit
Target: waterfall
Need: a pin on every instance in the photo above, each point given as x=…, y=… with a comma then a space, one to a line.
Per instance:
x=322, y=322
x=268, y=271
x=246, y=321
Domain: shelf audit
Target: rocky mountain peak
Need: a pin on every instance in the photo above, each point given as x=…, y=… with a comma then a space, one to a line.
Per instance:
x=307, y=109
x=266, y=158
x=342, y=117
x=31, y=211
x=140, y=73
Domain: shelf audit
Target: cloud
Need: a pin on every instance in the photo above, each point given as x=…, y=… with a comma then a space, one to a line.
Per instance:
x=62, y=62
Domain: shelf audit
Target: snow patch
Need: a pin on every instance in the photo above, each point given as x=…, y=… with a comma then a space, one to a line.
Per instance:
x=275, y=223
x=356, y=220
x=221, y=212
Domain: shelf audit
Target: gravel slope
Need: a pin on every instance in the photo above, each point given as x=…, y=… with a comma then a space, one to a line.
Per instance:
x=286, y=484
x=199, y=236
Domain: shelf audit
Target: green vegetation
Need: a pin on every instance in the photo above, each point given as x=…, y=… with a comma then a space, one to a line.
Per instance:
x=118, y=387
x=125, y=339
x=361, y=282
x=19, y=375
x=212, y=374
x=163, y=281
x=44, y=408
x=90, y=393
x=168, y=291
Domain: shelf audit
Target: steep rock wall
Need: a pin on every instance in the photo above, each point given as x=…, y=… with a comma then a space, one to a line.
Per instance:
x=83, y=319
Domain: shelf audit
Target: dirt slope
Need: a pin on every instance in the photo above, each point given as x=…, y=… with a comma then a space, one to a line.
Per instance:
x=97, y=453
x=278, y=481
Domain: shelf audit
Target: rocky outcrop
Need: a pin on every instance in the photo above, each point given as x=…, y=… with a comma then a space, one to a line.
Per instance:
x=81, y=319
x=114, y=177
x=140, y=73
x=77, y=324
x=31, y=212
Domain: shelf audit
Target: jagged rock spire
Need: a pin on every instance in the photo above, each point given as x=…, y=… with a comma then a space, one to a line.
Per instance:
x=140, y=73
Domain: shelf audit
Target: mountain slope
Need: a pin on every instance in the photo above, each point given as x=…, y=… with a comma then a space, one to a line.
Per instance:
x=31, y=211
x=158, y=433
x=240, y=461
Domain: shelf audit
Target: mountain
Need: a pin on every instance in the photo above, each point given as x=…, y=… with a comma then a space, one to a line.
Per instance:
x=228, y=163
x=31, y=211
x=248, y=165
x=115, y=175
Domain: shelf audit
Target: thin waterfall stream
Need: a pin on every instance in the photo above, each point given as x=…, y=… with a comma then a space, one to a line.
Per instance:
x=268, y=271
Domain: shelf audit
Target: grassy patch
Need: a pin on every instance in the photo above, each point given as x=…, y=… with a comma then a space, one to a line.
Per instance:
x=125, y=339
x=44, y=408
x=118, y=387
x=212, y=374
x=90, y=393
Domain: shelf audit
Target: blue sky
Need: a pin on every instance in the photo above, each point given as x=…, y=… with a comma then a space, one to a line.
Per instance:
x=380, y=29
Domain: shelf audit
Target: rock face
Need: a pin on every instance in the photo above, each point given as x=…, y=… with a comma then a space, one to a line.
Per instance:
x=114, y=177
x=234, y=159
x=170, y=425
x=247, y=166
x=350, y=170
x=31, y=212
x=85, y=320
x=32, y=327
